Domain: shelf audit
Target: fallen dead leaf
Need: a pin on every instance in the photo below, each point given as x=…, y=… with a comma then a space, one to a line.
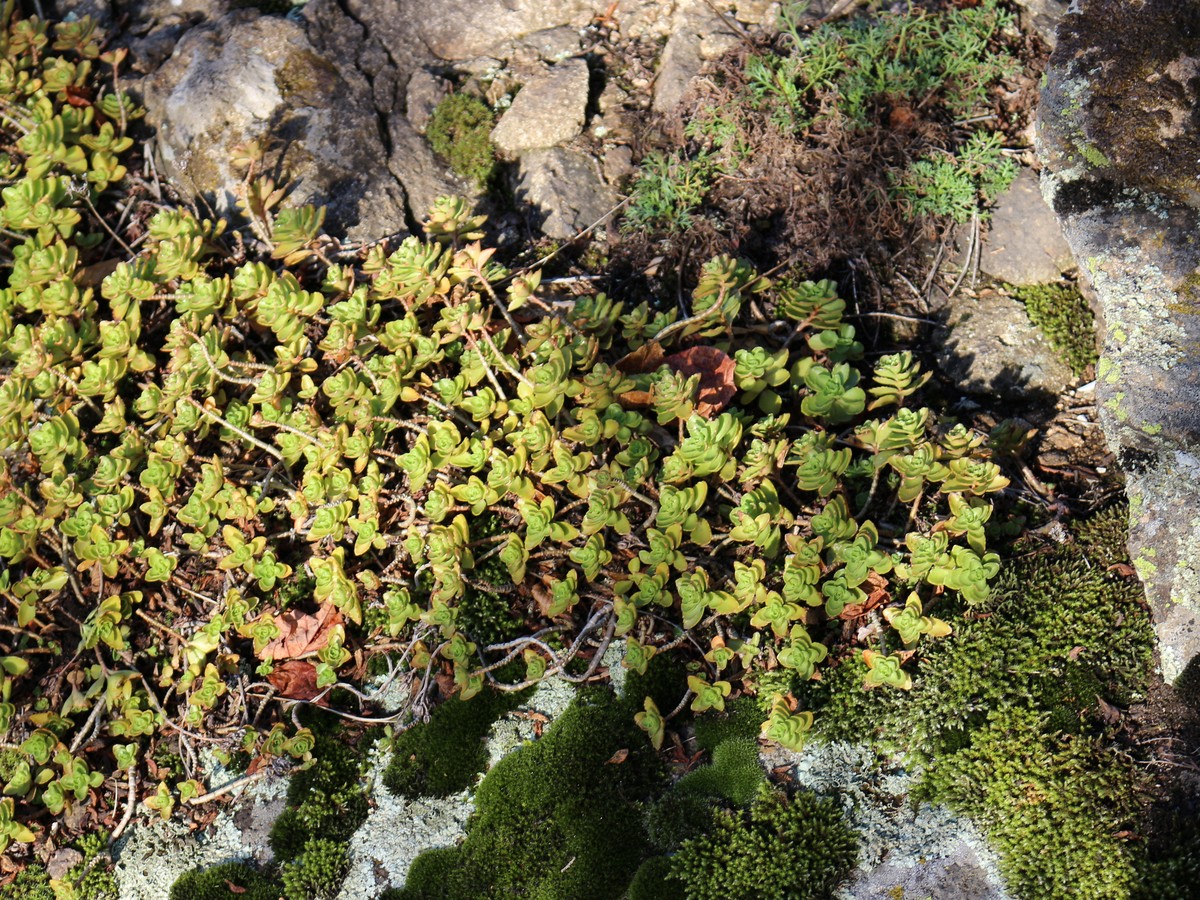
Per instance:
x=296, y=679
x=1109, y=713
x=715, y=368
x=646, y=358
x=617, y=758
x=301, y=634
x=1123, y=569
x=233, y=888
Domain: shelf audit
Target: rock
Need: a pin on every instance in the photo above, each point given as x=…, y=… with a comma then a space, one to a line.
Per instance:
x=1122, y=158
x=552, y=45
x=698, y=34
x=425, y=91
x=461, y=29
x=565, y=189
x=1025, y=244
x=992, y=348
x=62, y=862
x=618, y=164
x=1044, y=15
x=958, y=874
x=250, y=77
x=924, y=850
x=423, y=174
x=548, y=111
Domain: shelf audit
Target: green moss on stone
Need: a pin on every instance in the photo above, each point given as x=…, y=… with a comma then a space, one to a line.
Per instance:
x=653, y=882
x=557, y=818
x=224, y=882
x=1065, y=318
x=460, y=130
x=734, y=774
x=328, y=799
x=799, y=849
x=445, y=755
x=33, y=883
x=317, y=873
x=741, y=719
x=1051, y=804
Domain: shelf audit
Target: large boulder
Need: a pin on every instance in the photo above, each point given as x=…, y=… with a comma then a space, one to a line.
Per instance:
x=248, y=78
x=1118, y=134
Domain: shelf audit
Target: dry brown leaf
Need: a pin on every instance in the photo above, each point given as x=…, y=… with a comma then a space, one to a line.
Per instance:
x=1109, y=713
x=296, y=679
x=233, y=888
x=543, y=598
x=646, y=358
x=636, y=399
x=715, y=368
x=617, y=758
x=301, y=634
x=1123, y=569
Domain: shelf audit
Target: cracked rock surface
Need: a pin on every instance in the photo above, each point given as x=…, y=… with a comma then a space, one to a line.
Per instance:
x=1119, y=134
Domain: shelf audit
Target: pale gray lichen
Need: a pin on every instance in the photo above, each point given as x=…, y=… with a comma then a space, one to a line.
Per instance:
x=153, y=854
x=894, y=836
x=396, y=832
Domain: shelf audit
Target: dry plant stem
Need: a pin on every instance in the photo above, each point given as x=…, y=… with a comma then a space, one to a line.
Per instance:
x=130, y=804
x=161, y=627
x=243, y=781
x=104, y=224
x=90, y=726
x=266, y=448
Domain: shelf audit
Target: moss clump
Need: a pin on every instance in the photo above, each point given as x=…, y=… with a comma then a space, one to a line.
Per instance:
x=795, y=849
x=732, y=778
x=327, y=799
x=317, y=873
x=741, y=719
x=557, y=818
x=653, y=882
x=734, y=774
x=445, y=754
x=225, y=881
x=1051, y=804
x=460, y=130
x=1066, y=320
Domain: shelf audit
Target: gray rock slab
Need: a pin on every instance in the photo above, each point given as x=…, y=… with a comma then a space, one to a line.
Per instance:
x=424, y=176
x=1025, y=244
x=992, y=348
x=565, y=189
x=698, y=34
x=153, y=854
x=1121, y=152
x=1045, y=15
x=462, y=29
x=424, y=92
x=547, y=111
x=250, y=77
x=958, y=875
